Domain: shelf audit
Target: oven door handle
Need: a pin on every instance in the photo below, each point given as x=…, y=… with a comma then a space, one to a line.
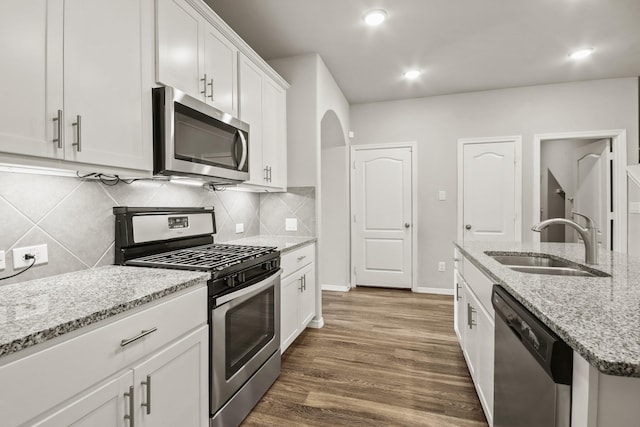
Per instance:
x=255, y=288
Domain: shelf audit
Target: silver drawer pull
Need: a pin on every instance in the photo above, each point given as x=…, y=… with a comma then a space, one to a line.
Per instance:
x=300, y=258
x=58, y=120
x=144, y=333
x=78, y=126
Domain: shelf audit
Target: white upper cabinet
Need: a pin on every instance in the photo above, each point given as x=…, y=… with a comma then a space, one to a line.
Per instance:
x=263, y=107
x=194, y=57
x=77, y=82
x=31, y=88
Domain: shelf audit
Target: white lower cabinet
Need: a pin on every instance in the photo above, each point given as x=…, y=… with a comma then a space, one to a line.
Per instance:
x=298, y=294
x=474, y=326
x=92, y=379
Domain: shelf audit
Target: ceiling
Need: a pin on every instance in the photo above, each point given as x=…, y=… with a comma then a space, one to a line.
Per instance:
x=460, y=45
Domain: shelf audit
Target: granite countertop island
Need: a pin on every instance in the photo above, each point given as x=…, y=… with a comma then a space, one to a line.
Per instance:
x=599, y=317
x=284, y=243
x=38, y=310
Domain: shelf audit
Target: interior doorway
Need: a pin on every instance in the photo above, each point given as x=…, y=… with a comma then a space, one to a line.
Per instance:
x=582, y=172
x=383, y=223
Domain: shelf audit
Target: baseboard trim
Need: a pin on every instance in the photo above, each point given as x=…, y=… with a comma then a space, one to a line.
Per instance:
x=316, y=323
x=436, y=291
x=336, y=288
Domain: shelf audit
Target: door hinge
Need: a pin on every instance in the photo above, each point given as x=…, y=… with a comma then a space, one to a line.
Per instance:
x=354, y=218
x=355, y=272
x=354, y=164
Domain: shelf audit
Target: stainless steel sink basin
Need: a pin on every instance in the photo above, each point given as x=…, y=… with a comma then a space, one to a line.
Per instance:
x=555, y=271
x=544, y=264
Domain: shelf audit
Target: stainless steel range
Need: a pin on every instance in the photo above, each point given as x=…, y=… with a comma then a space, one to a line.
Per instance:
x=244, y=298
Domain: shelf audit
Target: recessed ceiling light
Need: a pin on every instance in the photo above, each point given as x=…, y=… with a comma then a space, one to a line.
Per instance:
x=412, y=74
x=581, y=53
x=375, y=17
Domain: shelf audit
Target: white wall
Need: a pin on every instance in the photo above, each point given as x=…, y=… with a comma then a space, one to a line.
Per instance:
x=436, y=123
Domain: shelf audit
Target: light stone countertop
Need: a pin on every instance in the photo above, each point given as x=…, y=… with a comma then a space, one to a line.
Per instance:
x=599, y=317
x=284, y=243
x=38, y=310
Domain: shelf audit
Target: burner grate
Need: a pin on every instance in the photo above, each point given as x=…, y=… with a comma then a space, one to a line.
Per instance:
x=206, y=257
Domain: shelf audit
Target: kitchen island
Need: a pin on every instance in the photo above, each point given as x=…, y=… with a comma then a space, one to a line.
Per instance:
x=597, y=317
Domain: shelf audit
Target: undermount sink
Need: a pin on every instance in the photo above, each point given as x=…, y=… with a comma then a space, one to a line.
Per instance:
x=543, y=264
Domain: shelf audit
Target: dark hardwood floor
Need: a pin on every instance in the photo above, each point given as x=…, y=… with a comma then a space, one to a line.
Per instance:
x=384, y=358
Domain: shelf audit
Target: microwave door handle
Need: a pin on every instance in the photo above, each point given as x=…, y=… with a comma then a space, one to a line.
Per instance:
x=243, y=159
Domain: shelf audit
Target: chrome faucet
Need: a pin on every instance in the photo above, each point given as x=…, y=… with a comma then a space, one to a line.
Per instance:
x=589, y=234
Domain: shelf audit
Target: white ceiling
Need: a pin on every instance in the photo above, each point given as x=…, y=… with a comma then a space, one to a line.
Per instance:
x=461, y=45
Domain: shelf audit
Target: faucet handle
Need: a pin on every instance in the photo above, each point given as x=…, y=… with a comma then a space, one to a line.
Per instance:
x=590, y=223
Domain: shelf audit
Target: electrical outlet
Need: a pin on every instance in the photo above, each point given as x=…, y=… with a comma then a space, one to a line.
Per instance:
x=39, y=251
x=441, y=266
x=291, y=224
x=442, y=195
x=240, y=228
x=634, y=207
x=3, y=262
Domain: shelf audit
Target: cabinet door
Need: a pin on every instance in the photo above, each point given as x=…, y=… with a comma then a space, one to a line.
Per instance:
x=105, y=80
x=104, y=405
x=485, y=359
x=307, y=295
x=250, y=89
x=31, y=84
x=220, y=67
x=172, y=386
x=180, y=52
x=289, y=324
x=274, y=144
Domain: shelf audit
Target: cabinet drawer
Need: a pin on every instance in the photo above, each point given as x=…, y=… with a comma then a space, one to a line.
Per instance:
x=480, y=284
x=46, y=378
x=294, y=260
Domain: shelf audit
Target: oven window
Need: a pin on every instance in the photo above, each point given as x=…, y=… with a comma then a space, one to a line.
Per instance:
x=203, y=139
x=249, y=327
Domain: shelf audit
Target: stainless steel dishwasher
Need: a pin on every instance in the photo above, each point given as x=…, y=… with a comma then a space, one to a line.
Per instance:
x=533, y=369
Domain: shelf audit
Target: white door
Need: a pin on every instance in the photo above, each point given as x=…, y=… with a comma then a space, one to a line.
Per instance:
x=104, y=83
x=105, y=405
x=382, y=209
x=593, y=187
x=220, y=66
x=274, y=135
x=173, y=385
x=31, y=84
x=179, y=50
x=250, y=88
x=489, y=199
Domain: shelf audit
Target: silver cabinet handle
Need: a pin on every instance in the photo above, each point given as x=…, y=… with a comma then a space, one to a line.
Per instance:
x=304, y=282
x=468, y=226
x=143, y=333
x=269, y=167
x=300, y=258
x=129, y=416
x=457, y=291
x=147, y=404
x=60, y=121
x=470, y=311
x=300, y=280
x=204, y=89
x=266, y=173
x=78, y=125
x=407, y=225
x=211, y=85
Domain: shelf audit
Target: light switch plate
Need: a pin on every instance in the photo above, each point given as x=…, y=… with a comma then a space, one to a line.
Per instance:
x=291, y=224
x=3, y=262
x=442, y=195
x=240, y=228
x=634, y=207
x=441, y=266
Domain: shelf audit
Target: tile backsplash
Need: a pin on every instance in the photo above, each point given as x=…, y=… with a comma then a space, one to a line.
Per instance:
x=74, y=216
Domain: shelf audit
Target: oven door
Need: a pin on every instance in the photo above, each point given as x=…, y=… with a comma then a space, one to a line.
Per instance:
x=245, y=332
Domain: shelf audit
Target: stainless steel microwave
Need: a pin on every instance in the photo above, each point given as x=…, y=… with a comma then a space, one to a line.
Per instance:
x=194, y=139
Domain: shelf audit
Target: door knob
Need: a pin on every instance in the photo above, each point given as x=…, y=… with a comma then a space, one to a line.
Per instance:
x=407, y=225
x=468, y=226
